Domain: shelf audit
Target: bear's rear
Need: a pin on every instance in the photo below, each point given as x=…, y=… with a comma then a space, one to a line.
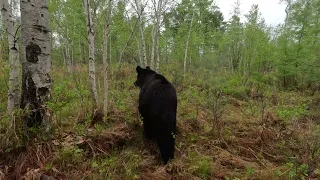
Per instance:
x=158, y=108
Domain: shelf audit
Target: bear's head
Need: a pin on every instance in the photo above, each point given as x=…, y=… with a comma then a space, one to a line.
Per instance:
x=143, y=75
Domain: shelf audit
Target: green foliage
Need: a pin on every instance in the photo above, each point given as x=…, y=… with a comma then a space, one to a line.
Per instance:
x=12, y=133
x=203, y=167
x=65, y=94
x=4, y=46
x=292, y=112
x=297, y=171
x=208, y=21
x=250, y=171
x=236, y=178
x=286, y=55
x=111, y=166
x=298, y=51
x=70, y=155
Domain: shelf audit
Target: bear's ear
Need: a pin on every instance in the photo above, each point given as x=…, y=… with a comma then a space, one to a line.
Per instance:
x=148, y=67
x=138, y=69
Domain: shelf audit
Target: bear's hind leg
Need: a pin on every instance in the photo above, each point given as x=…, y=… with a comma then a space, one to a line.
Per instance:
x=166, y=146
x=147, y=129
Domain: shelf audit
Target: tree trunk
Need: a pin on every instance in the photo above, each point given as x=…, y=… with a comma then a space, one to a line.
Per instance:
x=153, y=45
x=105, y=55
x=68, y=58
x=230, y=57
x=80, y=53
x=143, y=41
x=158, y=47
x=64, y=57
x=92, y=73
x=139, y=52
x=187, y=46
x=13, y=92
x=158, y=10
x=68, y=54
x=141, y=62
x=72, y=56
x=36, y=61
x=190, y=61
x=83, y=53
x=110, y=41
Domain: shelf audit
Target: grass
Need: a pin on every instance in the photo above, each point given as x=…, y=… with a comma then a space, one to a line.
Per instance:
x=226, y=131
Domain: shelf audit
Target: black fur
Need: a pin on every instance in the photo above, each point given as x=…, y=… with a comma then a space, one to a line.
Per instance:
x=158, y=108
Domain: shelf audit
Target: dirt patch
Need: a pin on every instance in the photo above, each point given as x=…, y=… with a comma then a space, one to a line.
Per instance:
x=117, y=136
x=160, y=173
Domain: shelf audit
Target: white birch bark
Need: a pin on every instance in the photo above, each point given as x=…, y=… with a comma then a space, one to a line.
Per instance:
x=158, y=10
x=68, y=54
x=110, y=55
x=139, y=52
x=158, y=40
x=187, y=46
x=141, y=62
x=14, y=73
x=64, y=57
x=141, y=31
x=36, y=61
x=72, y=56
x=68, y=59
x=80, y=53
x=158, y=49
x=190, y=60
x=105, y=55
x=153, y=45
x=92, y=71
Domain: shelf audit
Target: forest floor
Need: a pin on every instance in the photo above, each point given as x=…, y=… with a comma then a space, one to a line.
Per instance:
x=225, y=131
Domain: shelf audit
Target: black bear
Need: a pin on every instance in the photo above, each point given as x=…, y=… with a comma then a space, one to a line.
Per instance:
x=158, y=108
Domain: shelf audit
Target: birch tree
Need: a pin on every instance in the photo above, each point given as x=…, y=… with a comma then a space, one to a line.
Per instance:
x=154, y=29
x=36, y=61
x=159, y=8
x=13, y=92
x=157, y=34
x=92, y=73
x=187, y=45
x=234, y=38
x=141, y=30
x=105, y=55
x=68, y=54
x=68, y=57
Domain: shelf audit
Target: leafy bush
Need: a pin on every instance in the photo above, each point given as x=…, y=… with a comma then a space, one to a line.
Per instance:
x=292, y=112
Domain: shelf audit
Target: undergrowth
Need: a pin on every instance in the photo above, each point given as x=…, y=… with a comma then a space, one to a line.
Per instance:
x=229, y=128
